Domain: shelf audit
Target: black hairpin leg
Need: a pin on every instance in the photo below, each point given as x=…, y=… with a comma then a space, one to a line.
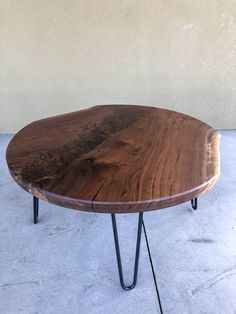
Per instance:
x=136, y=254
x=35, y=208
x=194, y=203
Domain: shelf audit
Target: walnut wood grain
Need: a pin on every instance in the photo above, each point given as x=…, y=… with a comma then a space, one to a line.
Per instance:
x=116, y=158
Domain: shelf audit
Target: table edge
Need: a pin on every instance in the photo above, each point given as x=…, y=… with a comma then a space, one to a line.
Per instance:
x=117, y=207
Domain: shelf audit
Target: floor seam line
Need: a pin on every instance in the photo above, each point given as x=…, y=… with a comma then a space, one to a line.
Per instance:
x=153, y=271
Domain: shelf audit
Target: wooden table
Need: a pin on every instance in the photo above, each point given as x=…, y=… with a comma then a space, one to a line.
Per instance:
x=116, y=159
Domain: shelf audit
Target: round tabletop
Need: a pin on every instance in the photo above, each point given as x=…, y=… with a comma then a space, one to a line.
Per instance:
x=116, y=158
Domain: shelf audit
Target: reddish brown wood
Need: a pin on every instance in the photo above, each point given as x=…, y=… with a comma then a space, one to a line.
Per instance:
x=116, y=158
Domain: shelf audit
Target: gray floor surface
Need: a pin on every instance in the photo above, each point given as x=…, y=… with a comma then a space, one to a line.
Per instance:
x=67, y=264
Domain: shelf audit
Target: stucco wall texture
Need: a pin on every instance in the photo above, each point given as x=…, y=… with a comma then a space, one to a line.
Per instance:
x=59, y=56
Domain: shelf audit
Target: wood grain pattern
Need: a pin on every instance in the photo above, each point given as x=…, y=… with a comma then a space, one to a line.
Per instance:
x=116, y=158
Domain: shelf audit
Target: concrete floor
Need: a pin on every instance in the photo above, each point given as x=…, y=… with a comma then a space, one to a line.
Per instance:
x=66, y=263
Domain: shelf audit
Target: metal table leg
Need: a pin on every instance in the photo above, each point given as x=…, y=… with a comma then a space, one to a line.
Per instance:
x=194, y=203
x=35, y=209
x=136, y=254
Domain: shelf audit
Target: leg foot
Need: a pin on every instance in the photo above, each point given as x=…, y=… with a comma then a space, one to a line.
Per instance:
x=136, y=254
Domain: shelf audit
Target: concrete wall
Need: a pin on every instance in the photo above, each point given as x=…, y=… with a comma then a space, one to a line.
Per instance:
x=58, y=56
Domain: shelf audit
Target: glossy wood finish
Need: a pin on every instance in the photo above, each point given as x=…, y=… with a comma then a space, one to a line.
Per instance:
x=116, y=158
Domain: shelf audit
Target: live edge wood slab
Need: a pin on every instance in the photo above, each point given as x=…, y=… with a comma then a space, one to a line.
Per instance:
x=116, y=158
